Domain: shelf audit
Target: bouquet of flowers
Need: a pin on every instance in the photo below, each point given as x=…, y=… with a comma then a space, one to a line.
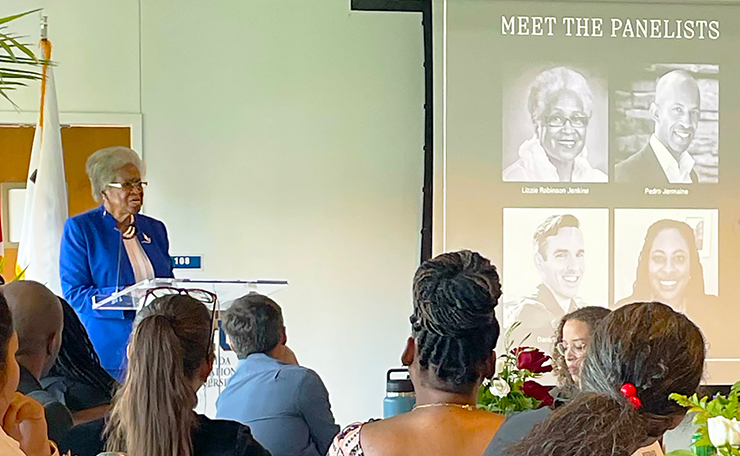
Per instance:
x=718, y=420
x=512, y=388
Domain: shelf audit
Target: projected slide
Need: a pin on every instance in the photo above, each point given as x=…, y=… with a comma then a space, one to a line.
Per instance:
x=592, y=151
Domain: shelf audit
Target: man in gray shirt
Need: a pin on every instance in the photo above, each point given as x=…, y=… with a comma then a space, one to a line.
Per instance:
x=285, y=405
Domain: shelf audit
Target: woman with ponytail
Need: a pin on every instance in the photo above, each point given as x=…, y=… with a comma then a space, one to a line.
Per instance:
x=638, y=356
x=450, y=352
x=171, y=354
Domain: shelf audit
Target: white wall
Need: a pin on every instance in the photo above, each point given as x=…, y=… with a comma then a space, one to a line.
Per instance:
x=283, y=140
x=96, y=45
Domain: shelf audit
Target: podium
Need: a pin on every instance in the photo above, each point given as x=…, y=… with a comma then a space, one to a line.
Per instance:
x=133, y=298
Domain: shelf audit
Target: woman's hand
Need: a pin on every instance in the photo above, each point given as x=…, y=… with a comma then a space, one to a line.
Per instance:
x=24, y=422
x=126, y=225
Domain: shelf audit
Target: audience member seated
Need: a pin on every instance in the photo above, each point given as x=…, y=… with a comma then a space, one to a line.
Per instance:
x=572, y=337
x=454, y=331
x=171, y=354
x=286, y=405
x=38, y=320
x=638, y=356
x=22, y=424
x=77, y=378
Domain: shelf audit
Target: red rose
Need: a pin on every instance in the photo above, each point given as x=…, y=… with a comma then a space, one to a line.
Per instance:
x=531, y=359
x=537, y=391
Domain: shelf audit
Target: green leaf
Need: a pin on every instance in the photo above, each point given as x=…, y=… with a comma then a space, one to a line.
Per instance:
x=20, y=274
x=17, y=16
x=7, y=48
x=5, y=95
x=21, y=47
x=680, y=453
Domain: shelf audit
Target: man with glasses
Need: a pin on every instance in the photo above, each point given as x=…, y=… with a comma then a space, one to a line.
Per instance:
x=560, y=105
x=665, y=158
x=285, y=405
x=109, y=248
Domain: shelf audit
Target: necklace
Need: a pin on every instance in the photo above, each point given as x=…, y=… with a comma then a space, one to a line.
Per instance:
x=446, y=404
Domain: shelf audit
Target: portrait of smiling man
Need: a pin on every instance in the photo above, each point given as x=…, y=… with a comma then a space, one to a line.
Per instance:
x=559, y=257
x=665, y=158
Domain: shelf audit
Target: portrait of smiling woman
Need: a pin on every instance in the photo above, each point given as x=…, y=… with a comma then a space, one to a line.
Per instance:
x=669, y=269
x=560, y=105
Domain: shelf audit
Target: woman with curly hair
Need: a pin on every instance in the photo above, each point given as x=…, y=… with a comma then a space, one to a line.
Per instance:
x=637, y=357
x=572, y=337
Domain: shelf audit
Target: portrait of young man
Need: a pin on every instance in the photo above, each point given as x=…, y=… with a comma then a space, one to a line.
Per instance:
x=559, y=258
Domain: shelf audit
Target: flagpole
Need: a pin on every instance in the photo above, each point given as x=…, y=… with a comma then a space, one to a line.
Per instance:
x=46, y=49
x=44, y=27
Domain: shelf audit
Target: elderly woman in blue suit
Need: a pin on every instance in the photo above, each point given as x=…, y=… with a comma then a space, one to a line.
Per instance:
x=109, y=248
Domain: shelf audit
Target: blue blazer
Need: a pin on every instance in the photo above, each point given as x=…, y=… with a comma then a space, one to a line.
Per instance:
x=93, y=261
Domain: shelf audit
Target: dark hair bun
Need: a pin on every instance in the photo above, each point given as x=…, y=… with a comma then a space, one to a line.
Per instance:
x=455, y=295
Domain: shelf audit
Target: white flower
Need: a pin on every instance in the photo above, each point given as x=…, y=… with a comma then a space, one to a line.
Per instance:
x=500, y=365
x=723, y=431
x=499, y=388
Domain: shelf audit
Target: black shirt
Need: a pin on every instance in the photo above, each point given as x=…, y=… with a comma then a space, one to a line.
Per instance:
x=210, y=438
x=58, y=417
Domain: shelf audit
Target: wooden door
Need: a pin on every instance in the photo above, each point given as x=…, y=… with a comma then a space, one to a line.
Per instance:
x=78, y=143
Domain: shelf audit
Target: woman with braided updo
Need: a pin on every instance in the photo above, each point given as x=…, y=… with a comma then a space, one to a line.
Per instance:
x=453, y=333
x=637, y=357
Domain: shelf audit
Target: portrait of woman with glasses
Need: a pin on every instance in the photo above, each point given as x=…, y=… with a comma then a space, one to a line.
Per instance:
x=560, y=105
x=109, y=248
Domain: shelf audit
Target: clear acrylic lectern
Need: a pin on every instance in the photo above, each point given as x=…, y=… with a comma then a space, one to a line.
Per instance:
x=132, y=297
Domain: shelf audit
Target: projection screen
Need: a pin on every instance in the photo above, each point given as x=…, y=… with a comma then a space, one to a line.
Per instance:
x=581, y=146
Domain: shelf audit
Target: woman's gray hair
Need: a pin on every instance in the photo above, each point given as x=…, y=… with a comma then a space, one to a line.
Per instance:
x=103, y=164
x=555, y=80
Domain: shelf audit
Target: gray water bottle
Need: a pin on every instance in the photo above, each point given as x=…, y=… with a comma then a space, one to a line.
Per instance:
x=399, y=393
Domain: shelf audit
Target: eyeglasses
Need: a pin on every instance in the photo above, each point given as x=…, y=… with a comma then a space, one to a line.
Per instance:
x=128, y=186
x=578, y=348
x=204, y=296
x=577, y=120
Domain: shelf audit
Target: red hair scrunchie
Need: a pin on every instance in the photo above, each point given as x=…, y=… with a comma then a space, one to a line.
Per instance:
x=630, y=392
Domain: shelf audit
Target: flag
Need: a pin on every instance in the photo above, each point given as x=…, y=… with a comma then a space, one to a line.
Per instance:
x=45, y=207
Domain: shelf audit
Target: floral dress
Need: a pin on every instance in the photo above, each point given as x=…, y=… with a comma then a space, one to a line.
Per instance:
x=347, y=442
